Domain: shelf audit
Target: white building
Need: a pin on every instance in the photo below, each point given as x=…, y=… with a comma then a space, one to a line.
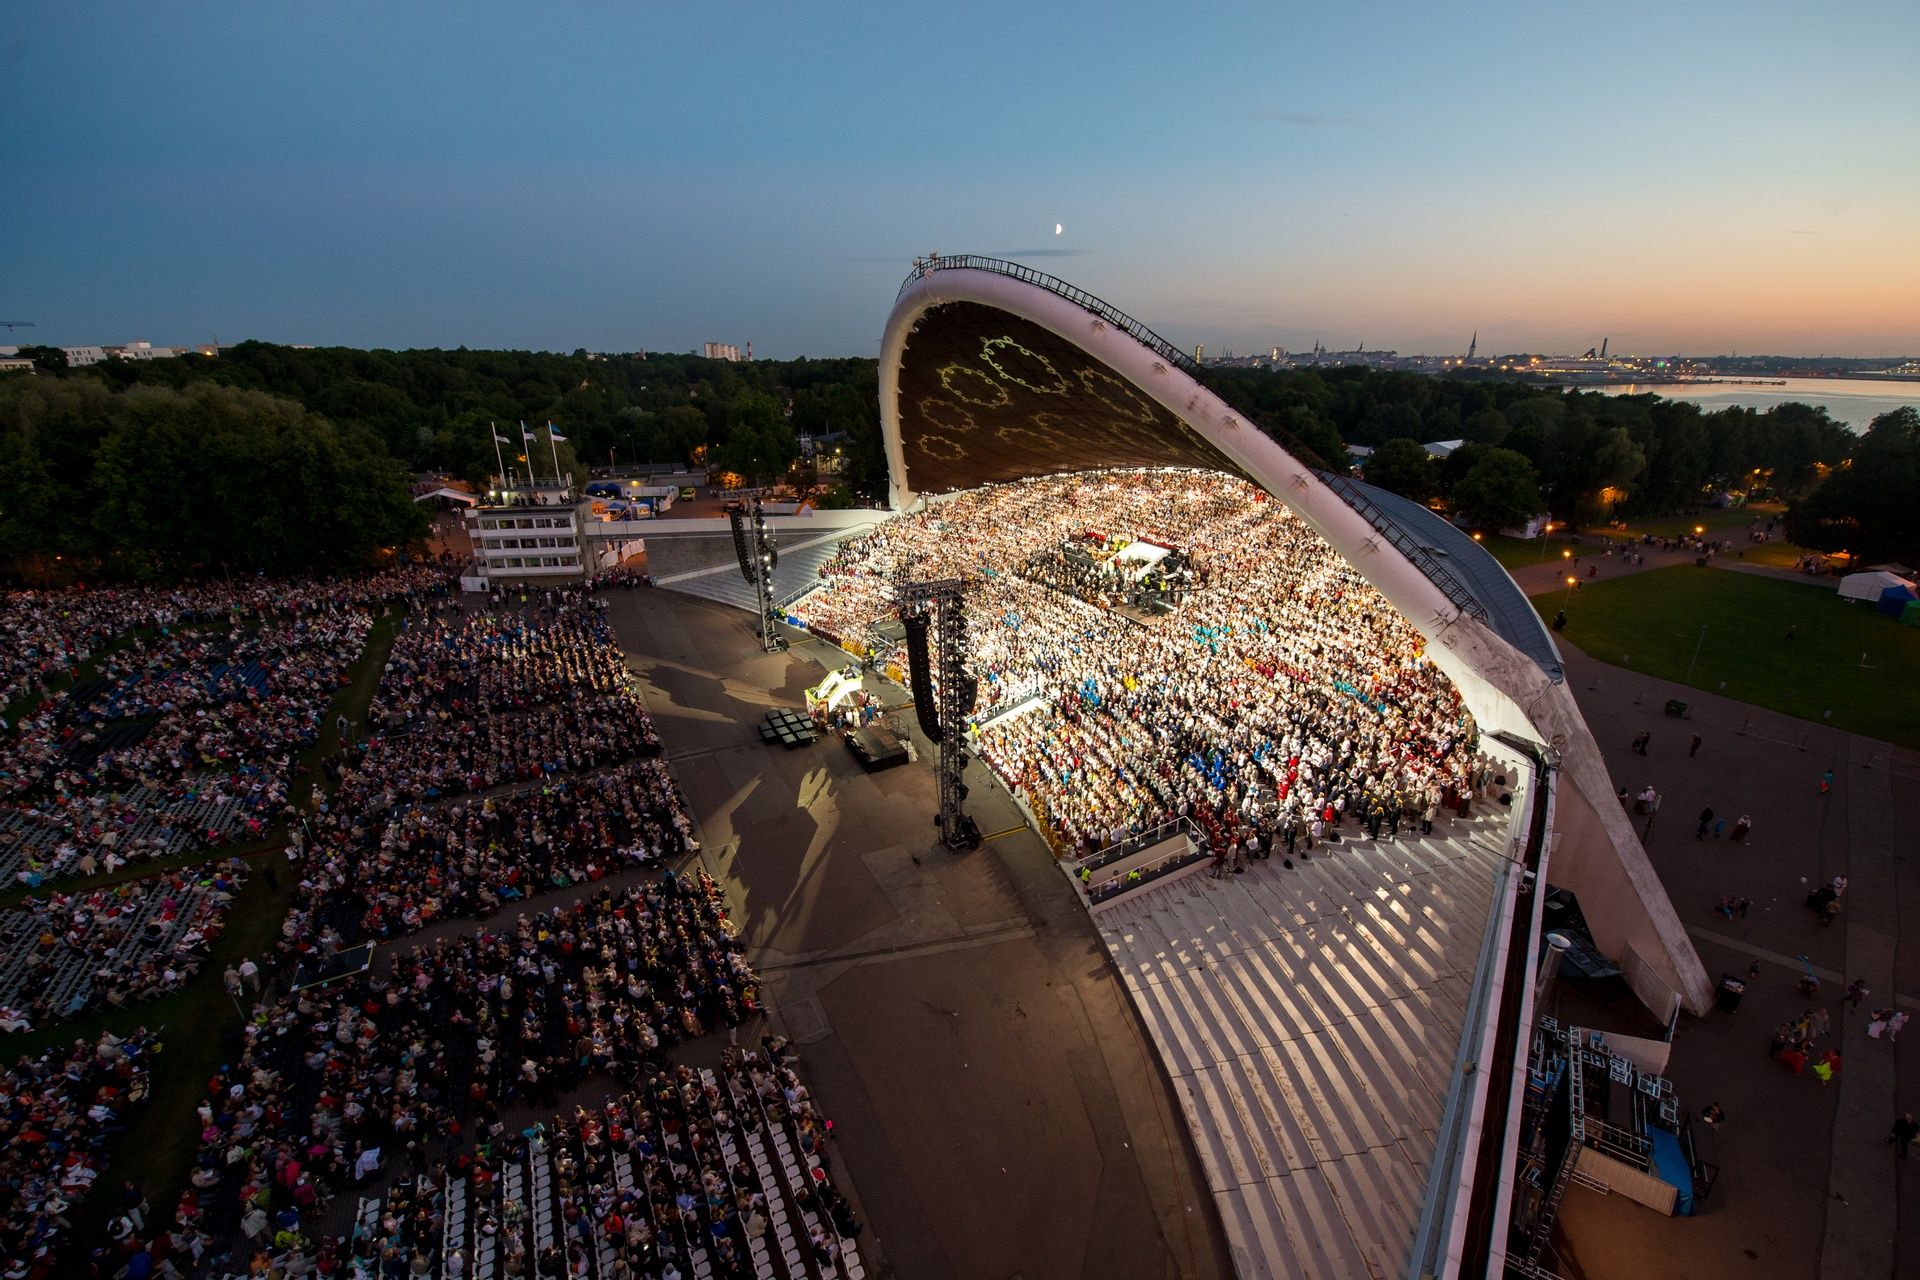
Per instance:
x=524, y=534
x=13, y=364
x=721, y=351
x=81, y=357
x=145, y=351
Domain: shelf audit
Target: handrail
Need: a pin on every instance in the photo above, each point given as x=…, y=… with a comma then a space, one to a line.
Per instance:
x=1487, y=1044
x=1409, y=546
x=923, y=267
x=1134, y=844
x=1455, y=1128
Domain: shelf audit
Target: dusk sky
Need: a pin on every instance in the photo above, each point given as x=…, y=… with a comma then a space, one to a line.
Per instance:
x=1675, y=177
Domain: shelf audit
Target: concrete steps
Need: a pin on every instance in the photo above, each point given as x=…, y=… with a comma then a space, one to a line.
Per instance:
x=709, y=568
x=1309, y=1021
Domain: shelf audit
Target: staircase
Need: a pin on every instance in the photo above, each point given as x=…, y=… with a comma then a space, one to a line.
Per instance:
x=1309, y=1020
x=709, y=568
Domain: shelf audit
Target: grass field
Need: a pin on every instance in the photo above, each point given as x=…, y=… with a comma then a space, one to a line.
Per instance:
x=1515, y=553
x=1651, y=622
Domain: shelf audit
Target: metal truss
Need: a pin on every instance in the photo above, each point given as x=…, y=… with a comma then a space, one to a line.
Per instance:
x=954, y=692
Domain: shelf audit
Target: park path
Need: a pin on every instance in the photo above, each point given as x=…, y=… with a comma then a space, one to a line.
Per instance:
x=1537, y=579
x=1817, y=1190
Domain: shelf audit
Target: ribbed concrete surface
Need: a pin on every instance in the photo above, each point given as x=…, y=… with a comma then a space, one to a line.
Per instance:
x=1309, y=1020
x=709, y=568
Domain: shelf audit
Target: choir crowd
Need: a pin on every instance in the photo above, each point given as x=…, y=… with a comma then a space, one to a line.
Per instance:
x=1281, y=691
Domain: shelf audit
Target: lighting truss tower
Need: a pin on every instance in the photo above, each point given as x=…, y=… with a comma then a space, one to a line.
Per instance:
x=759, y=553
x=954, y=695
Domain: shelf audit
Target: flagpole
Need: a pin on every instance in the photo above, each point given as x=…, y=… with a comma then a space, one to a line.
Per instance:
x=526, y=442
x=498, y=461
x=555, y=450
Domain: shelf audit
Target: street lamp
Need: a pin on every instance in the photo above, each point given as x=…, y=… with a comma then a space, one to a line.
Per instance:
x=1572, y=582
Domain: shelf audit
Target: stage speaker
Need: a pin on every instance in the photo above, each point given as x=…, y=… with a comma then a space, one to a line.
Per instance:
x=740, y=549
x=920, y=675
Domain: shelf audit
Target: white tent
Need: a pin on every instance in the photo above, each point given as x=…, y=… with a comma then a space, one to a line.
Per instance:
x=1868, y=586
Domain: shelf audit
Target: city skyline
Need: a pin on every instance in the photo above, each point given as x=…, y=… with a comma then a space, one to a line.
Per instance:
x=595, y=177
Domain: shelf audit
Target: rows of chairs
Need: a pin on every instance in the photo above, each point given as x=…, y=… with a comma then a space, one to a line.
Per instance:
x=67, y=977
x=149, y=823
x=547, y=1199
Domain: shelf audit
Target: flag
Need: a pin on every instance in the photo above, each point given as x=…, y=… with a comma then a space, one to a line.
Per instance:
x=557, y=437
x=524, y=433
x=500, y=439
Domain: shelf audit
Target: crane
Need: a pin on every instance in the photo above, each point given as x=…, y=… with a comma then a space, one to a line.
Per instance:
x=11, y=325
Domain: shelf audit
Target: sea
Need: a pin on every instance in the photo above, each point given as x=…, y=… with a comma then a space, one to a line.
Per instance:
x=1854, y=401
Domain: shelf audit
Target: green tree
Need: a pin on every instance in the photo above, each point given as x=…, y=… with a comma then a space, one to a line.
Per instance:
x=1868, y=507
x=1500, y=491
x=1404, y=467
x=52, y=359
x=759, y=443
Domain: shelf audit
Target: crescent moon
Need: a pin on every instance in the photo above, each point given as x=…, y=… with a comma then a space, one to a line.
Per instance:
x=1057, y=228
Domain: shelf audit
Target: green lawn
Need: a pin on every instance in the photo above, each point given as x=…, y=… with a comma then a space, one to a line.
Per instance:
x=1710, y=520
x=1651, y=622
x=1517, y=553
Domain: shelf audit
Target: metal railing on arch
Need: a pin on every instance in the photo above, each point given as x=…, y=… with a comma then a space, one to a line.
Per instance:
x=924, y=267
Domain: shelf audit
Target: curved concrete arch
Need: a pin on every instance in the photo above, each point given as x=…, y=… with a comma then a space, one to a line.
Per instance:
x=1044, y=343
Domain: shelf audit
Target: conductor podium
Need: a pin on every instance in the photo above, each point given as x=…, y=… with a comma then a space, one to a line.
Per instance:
x=876, y=748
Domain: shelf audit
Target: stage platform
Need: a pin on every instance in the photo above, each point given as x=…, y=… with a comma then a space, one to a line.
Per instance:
x=876, y=749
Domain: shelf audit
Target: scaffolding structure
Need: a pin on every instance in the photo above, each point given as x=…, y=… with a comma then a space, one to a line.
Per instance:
x=939, y=606
x=759, y=553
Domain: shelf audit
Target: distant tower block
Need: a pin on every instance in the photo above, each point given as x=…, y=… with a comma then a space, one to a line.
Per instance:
x=1474, y=345
x=1200, y=353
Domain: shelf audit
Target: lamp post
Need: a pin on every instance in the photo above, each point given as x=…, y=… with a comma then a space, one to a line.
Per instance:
x=1546, y=537
x=1696, y=654
x=1572, y=582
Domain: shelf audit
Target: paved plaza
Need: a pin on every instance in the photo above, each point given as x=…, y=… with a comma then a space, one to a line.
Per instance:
x=1808, y=1185
x=998, y=1108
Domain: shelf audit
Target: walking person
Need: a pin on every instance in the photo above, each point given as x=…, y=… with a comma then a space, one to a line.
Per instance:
x=1706, y=821
x=1826, y=782
x=1693, y=748
x=1857, y=991
x=1740, y=828
x=1904, y=1131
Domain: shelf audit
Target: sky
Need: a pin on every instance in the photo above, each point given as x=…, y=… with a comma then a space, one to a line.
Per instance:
x=1695, y=178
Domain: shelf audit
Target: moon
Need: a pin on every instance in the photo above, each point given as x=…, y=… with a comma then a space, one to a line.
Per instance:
x=1057, y=228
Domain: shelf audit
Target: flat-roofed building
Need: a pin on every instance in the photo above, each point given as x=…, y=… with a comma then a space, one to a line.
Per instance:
x=529, y=533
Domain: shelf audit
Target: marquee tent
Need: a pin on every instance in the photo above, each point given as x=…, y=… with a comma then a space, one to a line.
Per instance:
x=1870, y=586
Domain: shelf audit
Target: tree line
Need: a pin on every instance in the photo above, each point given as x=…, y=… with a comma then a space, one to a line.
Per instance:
x=153, y=482
x=1589, y=458
x=149, y=464
x=432, y=408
